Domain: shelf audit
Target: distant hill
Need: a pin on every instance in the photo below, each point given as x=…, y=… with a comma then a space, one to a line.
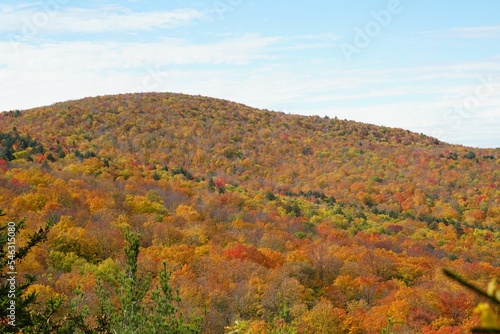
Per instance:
x=311, y=202
x=262, y=149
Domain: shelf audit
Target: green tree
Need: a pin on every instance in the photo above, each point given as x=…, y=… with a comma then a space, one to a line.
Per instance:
x=12, y=288
x=104, y=317
x=131, y=317
x=167, y=319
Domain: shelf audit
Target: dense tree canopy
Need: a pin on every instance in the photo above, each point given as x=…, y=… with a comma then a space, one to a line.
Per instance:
x=268, y=221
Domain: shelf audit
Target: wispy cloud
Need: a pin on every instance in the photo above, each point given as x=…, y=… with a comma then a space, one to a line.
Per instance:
x=49, y=72
x=94, y=21
x=75, y=52
x=102, y=55
x=85, y=20
x=468, y=32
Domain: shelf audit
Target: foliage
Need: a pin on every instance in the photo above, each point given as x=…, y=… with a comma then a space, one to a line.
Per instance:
x=279, y=222
x=16, y=146
x=11, y=289
x=131, y=315
x=488, y=316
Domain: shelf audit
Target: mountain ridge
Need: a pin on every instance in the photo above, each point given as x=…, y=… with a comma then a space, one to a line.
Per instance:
x=223, y=136
x=268, y=219
x=235, y=105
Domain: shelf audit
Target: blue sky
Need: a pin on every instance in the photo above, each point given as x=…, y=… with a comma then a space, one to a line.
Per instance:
x=427, y=66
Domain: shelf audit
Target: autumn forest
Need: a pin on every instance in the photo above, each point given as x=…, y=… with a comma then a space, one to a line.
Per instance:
x=246, y=220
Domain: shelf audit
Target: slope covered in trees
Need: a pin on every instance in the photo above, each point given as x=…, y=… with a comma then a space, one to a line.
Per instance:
x=278, y=222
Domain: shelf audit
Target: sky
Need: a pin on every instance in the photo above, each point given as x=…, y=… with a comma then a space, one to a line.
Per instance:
x=432, y=67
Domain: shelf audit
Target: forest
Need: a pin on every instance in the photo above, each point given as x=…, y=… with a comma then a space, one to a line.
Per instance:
x=240, y=220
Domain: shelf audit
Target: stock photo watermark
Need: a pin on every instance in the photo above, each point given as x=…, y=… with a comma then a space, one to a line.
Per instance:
x=11, y=275
x=220, y=7
x=464, y=110
x=152, y=80
x=365, y=35
x=34, y=23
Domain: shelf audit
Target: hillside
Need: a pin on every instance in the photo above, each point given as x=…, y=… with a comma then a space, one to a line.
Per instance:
x=267, y=218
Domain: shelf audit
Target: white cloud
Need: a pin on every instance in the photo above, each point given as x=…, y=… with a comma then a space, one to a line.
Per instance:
x=74, y=56
x=468, y=32
x=42, y=74
x=95, y=21
x=61, y=19
x=230, y=67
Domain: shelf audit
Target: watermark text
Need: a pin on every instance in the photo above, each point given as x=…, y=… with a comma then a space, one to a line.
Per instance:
x=11, y=273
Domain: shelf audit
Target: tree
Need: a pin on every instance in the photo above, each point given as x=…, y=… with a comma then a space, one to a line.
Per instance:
x=131, y=317
x=488, y=316
x=105, y=309
x=324, y=318
x=15, y=305
x=165, y=316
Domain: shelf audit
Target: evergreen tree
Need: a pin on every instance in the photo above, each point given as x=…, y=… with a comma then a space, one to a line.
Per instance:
x=166, y=319
x=104, y=318
x=15, y=305
x=131, y=317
